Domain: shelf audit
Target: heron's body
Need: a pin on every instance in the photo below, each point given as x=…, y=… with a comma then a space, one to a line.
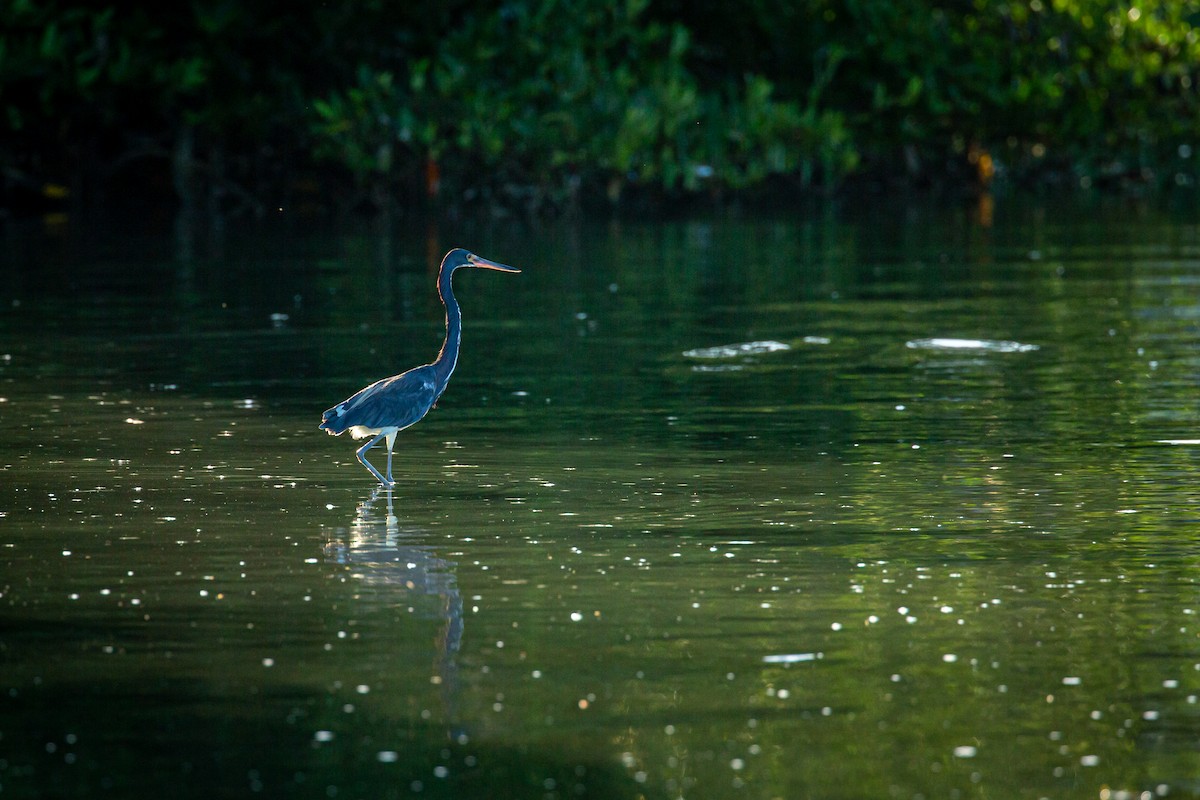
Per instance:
x=388, y=406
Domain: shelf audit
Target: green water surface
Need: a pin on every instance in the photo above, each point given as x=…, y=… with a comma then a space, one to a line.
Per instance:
x=878, y=505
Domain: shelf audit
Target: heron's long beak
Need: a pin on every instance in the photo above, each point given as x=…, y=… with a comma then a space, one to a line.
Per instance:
x=483, y=263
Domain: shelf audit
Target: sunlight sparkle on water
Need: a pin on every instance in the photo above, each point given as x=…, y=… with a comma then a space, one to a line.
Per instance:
x=791, y=658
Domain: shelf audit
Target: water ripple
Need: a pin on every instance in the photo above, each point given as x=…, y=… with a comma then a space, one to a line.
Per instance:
x=735, y=350
x=977, y=345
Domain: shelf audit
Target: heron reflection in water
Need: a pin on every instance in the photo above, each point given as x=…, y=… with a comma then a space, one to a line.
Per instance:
x=380, y=554
x=388, y=406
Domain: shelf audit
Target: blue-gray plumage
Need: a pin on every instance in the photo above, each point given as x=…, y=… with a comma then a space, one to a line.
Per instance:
x=387, y=407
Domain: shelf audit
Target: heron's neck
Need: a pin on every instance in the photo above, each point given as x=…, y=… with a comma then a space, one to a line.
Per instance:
x=448, y=357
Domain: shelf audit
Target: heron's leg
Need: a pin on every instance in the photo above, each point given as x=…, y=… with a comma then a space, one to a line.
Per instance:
x=391, y=440
x=362, y=457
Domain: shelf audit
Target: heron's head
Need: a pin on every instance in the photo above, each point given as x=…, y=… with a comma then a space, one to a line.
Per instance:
x=461, y=258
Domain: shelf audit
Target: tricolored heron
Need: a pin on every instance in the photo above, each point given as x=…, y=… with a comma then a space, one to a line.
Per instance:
x=387, y=407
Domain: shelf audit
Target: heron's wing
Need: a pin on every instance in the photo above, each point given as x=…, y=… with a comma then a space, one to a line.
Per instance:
x=395, y=402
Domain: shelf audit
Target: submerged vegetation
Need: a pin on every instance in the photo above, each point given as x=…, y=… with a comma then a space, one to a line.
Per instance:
x=545, y=104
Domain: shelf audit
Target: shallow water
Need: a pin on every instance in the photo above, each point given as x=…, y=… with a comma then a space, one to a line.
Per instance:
x=826, y=507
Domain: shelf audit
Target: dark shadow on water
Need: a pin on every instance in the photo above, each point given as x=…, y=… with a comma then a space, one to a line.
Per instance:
x=182, y=739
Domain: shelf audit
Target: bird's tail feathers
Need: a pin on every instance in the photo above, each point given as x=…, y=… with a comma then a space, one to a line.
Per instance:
x=333, y=421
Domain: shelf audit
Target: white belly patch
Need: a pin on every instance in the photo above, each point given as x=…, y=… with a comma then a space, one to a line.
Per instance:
x=362, y=431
